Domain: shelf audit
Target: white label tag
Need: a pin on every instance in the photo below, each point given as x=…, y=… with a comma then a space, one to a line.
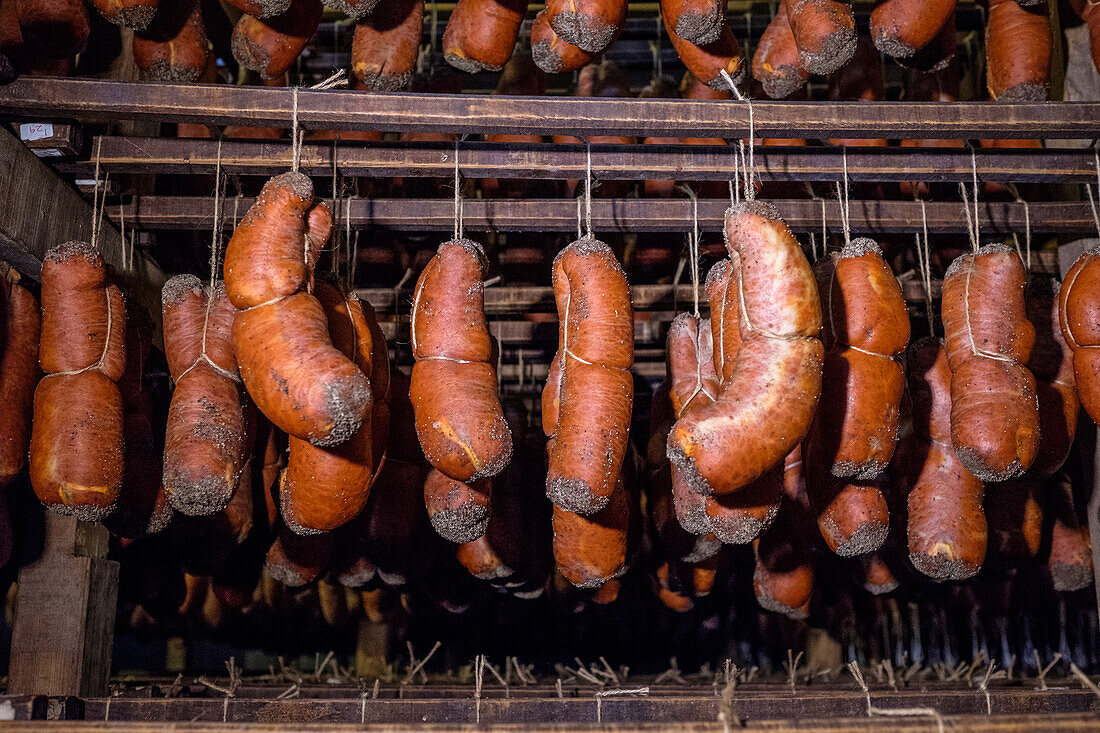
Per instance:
x=35, y=131
x=48, y=153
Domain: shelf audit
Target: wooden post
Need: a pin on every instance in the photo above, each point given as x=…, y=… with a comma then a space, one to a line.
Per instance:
x=65, y=614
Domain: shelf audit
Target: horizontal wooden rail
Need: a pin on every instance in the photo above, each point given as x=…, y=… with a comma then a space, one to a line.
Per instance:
x=95, y=99
x=640, y=215
x=568, y=161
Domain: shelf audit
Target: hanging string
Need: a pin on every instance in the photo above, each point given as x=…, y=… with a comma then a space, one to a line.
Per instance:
x=969, y=219
x=735, y=194
x=588, y=190
x=95, y=194
x=693, y=244
x=219, y=193
x=923, y=257
x=298, y=136
x=750, y=189
x=1088, y=192
x=349, y=272
x=842, y=199
x=824, y=228
x=580, y=232
x=458, y=199
x=972, y=222
x=127, y=264
x=336, y=202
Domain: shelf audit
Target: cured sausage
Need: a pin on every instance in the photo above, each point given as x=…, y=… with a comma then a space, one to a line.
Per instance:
x=270, y=47
x=458, y=511
x=174, y=48
x=783, y=580
x=764, y=409
x=994, y=410
x=551, y=53
x=1070, y=560
x=591, y=376
x=866, y=328
x=324, y=488
x=481, y=34
x=56, y=29
x=1015, y=520
x=1090, y=13
x=298, y=379
x=142, y=507
x=825, y=32
x=1052, y=364
x=696, y=21
x=19, y=374
x=1017, y=52
x=136, y=14
x=357, y=9
x=775, y=64
x=708, y=61
x=76, y=455
x=938, y=53
x=261, y=8
x=591, y=550
x=459, y=420
x=877, y=576
x=208, y=439
x=901, y=28
x=386, y=44
x=1078, y=310
x=590, y=25
x=946, y=526
x=295, y=560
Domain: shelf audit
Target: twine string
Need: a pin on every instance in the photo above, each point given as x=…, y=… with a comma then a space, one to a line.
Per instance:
x=297, y=136
x=923, y=256
x=588, y=189
x=97, y=198
x=458, y=198
x=969, y=219
x=750, y=192
x=215, y=234
x=842, y=199
x=1088, y=191
x=693, y=245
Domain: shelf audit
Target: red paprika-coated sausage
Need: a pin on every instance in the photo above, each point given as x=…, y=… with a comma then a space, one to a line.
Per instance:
x=590, y=25
x=459, y=420
x=709, y=60
x=207, y=440
x=592, y=377
x=19, y=374
x=551, y=53
x=481, y=34
x=901, y=28
x=825, y=32
x=764, y=409
x=1070, y=561
x=994, y=410
x=783, y=580
x=174, y=48
x=1017, y=52
x=1078, y=312
x=385, y=45
x=946, y=526
x=1052, y=364
x=269, y=47
x=261, y=8
x=76, y=455
x=297, y=378
x=136, y=14
x=775, y=64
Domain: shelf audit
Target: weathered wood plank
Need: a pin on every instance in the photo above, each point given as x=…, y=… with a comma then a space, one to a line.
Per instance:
x=65, y=614
x=568, y=161
x=641, y=215
x=89, y=99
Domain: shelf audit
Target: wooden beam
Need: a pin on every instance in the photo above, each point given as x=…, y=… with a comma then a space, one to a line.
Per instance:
x=568, y=161
x=65, y=613
x=92, y=99
x=640, y=215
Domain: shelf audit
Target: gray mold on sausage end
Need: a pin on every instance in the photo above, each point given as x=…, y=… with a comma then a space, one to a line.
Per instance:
x=465, y=523
x=196, y=497
x=586, y=246
x=546, y=59
x=784, y=81
x=299, y=183
x=472, y=247
x=693, y=519
x=346, y=401
x=586, y=32
x=1069, y=577
x=858, y=471
x=704, y=548
x=500, y=432
x=876, y=589
x=354, y=10
x=975, y=463
x=470, y=66
x=286, y=574
x=250, y=55
x=68, y=250
x=178, y=289
x=837, y=49
x=83, y=512
x=286, y=509
x=356, y=575
x=890, y=45
x=717, y=272
x=136, y=17
x=719, y=83
x=1027, y=92
x=957, y=264
x=700, y=28
x=941, y=567
x=378, y=82
x=764, y=209
x=682, y=461
x=166, y=71
x=868, y=537
x=741, y=530
x=859, y=247
x=575, y=495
